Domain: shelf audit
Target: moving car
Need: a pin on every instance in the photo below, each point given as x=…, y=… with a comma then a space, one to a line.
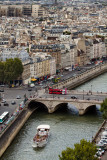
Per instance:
x=29, y=89
x=18, y=97
x=6, y=104
x=32, y=85
x=3, y=101
x=13, y=102
x=74, y=97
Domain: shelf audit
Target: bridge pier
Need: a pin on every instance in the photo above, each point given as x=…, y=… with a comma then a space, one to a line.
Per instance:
x=81, y=112
x=51, y=110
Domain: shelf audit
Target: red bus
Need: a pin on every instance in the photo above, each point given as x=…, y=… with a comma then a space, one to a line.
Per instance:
x=57, y=91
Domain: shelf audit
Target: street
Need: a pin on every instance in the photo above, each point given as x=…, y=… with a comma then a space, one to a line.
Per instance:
x=10, y=95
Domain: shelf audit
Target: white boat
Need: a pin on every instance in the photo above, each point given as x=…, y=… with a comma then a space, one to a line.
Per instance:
x=41, y=137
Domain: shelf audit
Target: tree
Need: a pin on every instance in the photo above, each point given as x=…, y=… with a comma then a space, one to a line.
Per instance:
x=1, y=71
x=83, y=151
x=18, y=68
x=12, y=70
x=27, y=50
x=104, y=108
x=66, y=33
x=8, y=70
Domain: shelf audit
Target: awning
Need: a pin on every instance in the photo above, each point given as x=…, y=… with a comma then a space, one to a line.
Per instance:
x=33, y=79
x=51, y=77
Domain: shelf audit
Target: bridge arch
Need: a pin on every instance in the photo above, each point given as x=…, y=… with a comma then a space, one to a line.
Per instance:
x=32, y=105
x=60, y=106
x=91, y=108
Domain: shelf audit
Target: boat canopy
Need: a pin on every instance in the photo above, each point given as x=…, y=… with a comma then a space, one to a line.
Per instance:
x=43, y=126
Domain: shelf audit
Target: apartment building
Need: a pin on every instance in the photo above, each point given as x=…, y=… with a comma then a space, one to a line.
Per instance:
x=42, y=65
x=38, y=11
x=11, y=10
x=4, y=40
x=8, y=53
x=51, y=49
x=102, y=36
x=69, y=56
x=27, y=10
x=82, y=53
x=20, y=10
x=99, y=48
x=26, y=71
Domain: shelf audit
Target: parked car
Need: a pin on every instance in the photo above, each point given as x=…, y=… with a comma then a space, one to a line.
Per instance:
x=101, y=150
x=13, y=102
x=2, y=85
x=73, y=97
x=3, y=101
x=29, y=89
x=18, y=97
x=40, y=84
x=6, y=104
x=32, y=85
x=2, y=90
x=89, y=63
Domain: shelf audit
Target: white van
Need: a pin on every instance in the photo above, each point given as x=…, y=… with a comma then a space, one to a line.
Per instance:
x=32, y=85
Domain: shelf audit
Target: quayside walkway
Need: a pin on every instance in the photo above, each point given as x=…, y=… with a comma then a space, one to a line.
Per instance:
x=97, y=138
x=11, y=131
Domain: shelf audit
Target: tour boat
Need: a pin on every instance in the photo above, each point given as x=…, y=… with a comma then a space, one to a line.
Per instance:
x=41, y=137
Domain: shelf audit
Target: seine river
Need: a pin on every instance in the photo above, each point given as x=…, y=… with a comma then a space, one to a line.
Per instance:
x=67, y=128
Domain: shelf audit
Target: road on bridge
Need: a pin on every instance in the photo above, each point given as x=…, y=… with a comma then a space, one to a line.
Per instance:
x=78, y=95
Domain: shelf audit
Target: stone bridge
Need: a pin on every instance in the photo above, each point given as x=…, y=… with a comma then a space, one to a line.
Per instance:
x=53, y=104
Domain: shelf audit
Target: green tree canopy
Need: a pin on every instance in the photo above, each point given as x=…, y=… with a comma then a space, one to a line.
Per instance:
x=11, y=69
x=1, y=71
x=83, y=151
x=104, y=108
x=18, y=67
x=66, y=33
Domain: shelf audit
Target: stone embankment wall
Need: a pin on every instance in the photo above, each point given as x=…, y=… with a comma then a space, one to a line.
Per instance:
x=99, y=131
x=10, y=133
x=83, y=77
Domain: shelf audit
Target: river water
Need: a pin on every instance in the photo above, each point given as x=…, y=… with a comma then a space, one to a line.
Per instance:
x=67, y=128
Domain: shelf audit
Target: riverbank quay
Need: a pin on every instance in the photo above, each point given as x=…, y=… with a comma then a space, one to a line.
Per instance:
x=97, y=138
x=77, y=80
x=12, y=130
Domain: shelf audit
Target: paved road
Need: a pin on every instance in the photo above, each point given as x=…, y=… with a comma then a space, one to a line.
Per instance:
x=79, y=95
x=10, y=94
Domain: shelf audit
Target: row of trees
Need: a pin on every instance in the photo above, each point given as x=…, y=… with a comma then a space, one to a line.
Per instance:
x=10, y=70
